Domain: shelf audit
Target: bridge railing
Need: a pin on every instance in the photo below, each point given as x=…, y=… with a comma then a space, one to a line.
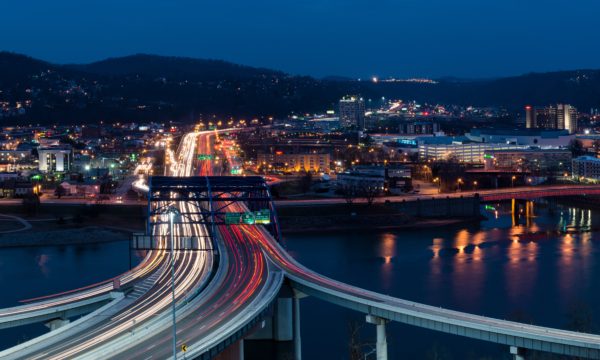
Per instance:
x=163, y=242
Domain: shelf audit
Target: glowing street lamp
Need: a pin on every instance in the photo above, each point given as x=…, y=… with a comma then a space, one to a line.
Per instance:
x=512, y=181
x=439, y=183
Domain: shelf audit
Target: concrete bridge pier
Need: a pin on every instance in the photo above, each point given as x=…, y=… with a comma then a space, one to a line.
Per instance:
x=296, y=322
x=278, y=335
x=56, y=323
x=517, y=353
x=381, y=345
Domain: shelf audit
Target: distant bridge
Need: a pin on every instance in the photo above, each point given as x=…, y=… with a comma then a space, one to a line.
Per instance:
x=535, y=193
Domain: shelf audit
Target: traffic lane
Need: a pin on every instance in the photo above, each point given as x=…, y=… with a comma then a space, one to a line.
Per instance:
x=245, y=277
x=149, y=305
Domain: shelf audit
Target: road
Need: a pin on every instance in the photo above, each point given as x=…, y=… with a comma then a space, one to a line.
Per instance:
x=145, y=304
x=414, y=197
x=244, y=284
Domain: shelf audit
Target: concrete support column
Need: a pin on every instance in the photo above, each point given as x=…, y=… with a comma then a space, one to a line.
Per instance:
x=241, y=347
x=283, y=327
x=517, y=353
x=381, y=345
x=297, y=339
x=56, y=323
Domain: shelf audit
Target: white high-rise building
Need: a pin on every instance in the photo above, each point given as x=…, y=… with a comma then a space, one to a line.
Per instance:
x=55, y=159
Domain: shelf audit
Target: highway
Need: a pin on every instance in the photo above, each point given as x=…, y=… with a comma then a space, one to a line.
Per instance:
x=245, y=284
x=208, y=312
x=143, y=304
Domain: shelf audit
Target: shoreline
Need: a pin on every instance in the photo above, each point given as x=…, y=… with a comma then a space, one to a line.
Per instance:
x=424, y=223
x=66, y=237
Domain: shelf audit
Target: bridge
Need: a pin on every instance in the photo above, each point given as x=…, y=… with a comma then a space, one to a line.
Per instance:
x=540, y=192
x=218, y=267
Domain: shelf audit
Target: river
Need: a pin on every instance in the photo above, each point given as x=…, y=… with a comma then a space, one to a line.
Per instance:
x=482, y=268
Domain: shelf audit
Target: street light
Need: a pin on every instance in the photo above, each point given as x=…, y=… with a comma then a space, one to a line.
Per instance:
x=512, y=181
x=475, y=185
x=172, y=211
x=439, y=183
x=459, y=181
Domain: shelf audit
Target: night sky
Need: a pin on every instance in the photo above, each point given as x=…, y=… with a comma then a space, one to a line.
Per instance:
x=358, y=38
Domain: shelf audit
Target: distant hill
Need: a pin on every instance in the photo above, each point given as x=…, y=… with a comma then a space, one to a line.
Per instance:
x=149, y=87
x=175, y=68
x=17, y=67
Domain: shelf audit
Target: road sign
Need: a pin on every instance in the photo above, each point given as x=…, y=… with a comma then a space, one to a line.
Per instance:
x=262, y=217
x=248, y=218
x=204, y=157
x=233, y=218
x=184, y=347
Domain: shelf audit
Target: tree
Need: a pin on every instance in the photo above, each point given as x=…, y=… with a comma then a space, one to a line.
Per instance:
x=60, y=191
x=348, y=191
x=596, y=145
x=369, y=191
x=306, y=181
x=356, y=344
x=576, y=148
x=31, y=204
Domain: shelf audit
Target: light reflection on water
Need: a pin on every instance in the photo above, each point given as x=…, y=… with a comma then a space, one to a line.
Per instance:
x=531, y=271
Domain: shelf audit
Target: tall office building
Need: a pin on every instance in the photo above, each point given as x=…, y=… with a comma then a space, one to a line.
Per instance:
x=529, y=117
x=352, y=112
x=561, y=116
x=566, y=116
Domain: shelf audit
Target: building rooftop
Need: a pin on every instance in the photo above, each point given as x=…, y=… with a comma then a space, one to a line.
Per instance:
x=587, y=158
x=531, y=150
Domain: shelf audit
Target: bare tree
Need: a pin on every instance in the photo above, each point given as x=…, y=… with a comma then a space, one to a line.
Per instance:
x=355, y=345
x=60, y=191
x=369, y=191
x=349, y=192
x=306, y=181
x=31, y=204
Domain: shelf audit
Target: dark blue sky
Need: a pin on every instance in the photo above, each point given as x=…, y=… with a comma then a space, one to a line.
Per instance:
x=465, y=38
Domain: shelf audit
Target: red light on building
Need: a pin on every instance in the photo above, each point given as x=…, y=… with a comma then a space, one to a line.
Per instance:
x=528, y=107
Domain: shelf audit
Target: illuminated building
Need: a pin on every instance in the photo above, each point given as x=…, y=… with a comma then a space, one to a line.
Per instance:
x=352, y=112
x=316, y=162
x=561, y=116
x=528, y=160
x=586, y=167
x=55, y=158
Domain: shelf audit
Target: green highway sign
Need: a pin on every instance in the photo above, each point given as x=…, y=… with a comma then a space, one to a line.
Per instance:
x=204, y=157
x=262, y=217
x=233, y=218
x=248, y=218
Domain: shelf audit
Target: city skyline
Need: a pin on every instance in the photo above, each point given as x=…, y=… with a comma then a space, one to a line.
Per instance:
x=332, y=38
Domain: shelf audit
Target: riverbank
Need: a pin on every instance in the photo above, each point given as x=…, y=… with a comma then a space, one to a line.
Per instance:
x=341, y=217
x=76, y=236
x=413, y=224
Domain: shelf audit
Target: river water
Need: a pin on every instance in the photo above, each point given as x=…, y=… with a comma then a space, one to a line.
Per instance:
x=486, y=268
x=482, y=268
